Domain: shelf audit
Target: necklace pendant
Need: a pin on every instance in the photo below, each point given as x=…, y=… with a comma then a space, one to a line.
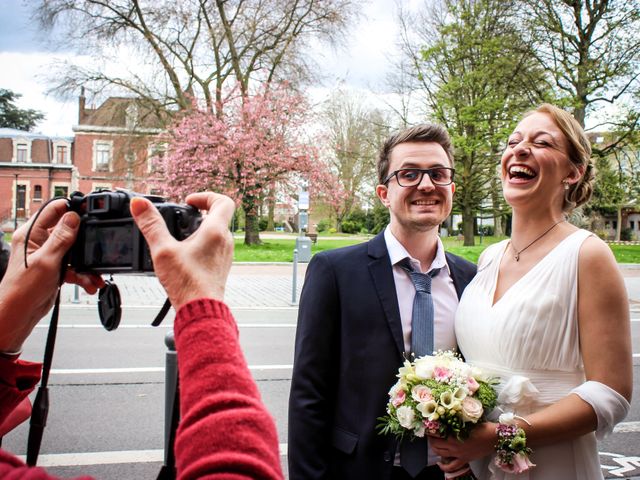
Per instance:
x=517, y=257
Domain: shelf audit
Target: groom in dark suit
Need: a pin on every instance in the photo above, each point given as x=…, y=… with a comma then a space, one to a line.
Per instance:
x=355, y=318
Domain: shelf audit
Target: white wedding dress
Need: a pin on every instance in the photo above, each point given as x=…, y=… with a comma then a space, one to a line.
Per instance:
x=529, y=339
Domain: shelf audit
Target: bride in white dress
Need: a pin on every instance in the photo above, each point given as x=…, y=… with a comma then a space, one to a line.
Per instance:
x=547, y=313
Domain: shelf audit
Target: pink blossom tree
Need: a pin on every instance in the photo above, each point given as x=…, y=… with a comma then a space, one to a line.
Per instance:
x=256, y=144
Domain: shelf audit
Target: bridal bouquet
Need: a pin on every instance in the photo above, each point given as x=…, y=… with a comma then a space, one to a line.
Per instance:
x=438, y=395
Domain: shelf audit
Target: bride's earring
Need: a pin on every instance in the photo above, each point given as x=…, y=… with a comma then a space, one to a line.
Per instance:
x=566, y=184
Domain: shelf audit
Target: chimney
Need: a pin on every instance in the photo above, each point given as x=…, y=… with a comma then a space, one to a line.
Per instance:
x=81, y=103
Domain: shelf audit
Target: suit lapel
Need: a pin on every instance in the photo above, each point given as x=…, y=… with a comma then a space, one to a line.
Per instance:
x=458, y=281
x=382, y=277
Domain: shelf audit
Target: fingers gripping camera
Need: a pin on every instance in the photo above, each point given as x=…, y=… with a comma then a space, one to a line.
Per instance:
x=109, y=240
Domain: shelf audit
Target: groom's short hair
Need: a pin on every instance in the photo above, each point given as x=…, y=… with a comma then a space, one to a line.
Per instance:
x=422, y=133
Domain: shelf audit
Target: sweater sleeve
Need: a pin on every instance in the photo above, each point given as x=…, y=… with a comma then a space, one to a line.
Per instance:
x=225, y=430
x=17, y=379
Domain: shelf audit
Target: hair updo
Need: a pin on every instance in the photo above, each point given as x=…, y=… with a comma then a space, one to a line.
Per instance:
x=579, y=152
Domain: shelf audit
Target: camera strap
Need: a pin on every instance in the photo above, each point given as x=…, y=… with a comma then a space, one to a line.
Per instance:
x=40, y=408
x=162, y=313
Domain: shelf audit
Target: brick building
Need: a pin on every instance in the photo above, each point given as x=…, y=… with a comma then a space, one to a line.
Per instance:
x=115, y=143
x=113, y=147
x=33, y=168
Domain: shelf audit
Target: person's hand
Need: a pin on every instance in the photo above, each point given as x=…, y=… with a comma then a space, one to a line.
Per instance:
x=198, y=266
x=456, y=454
x=27, y=294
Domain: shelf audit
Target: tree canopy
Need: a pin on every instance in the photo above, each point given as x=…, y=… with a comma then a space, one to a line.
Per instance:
x=13, y=117
x=256, y=144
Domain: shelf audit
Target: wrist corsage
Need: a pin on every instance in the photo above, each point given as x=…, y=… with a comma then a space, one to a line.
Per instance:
x=512, y=453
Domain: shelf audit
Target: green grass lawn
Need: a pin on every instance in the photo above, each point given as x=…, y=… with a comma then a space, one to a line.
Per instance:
x=282, y=250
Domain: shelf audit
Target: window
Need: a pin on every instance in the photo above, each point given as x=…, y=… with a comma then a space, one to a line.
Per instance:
x=60, y=191
x=21, y=153
x=102, y=156
x=61, y=154
x=155, y=153
x=37, y=193
x=631, y=225
x=21, y=201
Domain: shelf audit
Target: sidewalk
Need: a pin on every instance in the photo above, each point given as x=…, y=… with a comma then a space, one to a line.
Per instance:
x=264, y=285
x=250, y=285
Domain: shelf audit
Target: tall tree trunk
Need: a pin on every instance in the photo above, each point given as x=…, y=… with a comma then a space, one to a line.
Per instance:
x=619, y=224
x=498, y=230
x=251, y=222
x=271, y=208
x=467, y=227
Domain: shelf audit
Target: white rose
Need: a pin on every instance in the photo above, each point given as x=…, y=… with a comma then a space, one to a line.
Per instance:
x=508, y=418
x=406, y=416
x=424, y=367
x=419, y=430
x=471, y=409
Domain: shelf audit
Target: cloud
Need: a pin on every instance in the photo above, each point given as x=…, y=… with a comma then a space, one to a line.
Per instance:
x=24, y=76
x=17, y=31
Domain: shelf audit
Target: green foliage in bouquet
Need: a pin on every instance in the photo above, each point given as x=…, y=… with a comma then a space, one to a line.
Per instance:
x=437, y=395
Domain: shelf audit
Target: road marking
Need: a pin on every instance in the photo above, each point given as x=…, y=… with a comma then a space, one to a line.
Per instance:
x=92, y=306
x=108, y=458
x=89, y=371
x=98, y=458
x=147, y=456
x=623, y=465
x=627, y=427
x=169, y=325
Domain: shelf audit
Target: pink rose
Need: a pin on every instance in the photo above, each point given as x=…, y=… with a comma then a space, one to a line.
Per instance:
x=398, y=398
x=472, y=385
x=471, y=409
x=421, y=393
x=441, y=374
x=521, y=463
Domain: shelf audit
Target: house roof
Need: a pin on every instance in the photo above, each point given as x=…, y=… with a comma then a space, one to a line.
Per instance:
x=13, y=133
x=124, y=112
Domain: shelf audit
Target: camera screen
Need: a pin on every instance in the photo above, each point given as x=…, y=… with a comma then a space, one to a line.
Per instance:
x=109, y=245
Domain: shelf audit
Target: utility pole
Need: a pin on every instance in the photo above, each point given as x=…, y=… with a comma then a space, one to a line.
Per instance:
x=15, y=204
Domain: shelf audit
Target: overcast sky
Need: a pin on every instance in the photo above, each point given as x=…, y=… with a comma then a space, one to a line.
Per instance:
x=24, y=57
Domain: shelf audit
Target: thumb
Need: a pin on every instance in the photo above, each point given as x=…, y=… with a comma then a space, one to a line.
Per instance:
x=62, y=236
x=150, y=222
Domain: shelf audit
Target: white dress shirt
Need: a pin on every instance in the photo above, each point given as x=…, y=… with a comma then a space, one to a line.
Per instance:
x=445, y=303
x=445, y=298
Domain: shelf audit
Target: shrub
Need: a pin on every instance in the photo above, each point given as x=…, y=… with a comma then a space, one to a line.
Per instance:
x=323, y=225
x=626, y=234
x=487, y=230
x=350, y=226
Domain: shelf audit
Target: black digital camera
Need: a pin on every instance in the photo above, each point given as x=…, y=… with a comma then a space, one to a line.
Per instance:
x=109, y=240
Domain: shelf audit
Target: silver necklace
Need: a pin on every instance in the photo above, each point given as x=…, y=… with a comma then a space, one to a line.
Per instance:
x=517, y=255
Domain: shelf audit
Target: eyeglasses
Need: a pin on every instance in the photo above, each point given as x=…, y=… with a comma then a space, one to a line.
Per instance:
x=410, y=177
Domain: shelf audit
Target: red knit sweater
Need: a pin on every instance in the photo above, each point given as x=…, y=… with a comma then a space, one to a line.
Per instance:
x=225, y=431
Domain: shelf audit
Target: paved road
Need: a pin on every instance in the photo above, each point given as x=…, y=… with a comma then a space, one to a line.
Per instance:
x=108, y=387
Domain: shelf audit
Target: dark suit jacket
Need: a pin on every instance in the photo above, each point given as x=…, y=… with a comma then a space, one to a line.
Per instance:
x=348, y=348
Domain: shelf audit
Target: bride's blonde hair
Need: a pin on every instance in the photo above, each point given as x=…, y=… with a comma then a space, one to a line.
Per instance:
x=579, y=152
